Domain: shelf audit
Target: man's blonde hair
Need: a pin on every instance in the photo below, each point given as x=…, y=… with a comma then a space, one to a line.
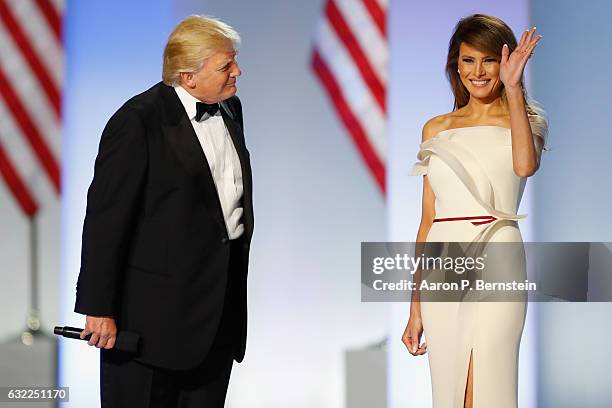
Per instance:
x=193, y=40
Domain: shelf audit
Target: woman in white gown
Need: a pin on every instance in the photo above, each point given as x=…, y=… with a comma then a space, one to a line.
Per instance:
x=475, y=161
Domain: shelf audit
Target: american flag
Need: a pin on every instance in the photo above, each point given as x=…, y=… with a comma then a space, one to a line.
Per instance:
x=350, y=57
x=31, y=68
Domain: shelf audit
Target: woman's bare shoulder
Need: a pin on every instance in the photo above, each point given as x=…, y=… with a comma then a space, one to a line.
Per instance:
x=436, y=125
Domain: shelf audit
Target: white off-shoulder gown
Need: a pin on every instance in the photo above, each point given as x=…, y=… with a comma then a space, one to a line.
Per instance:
x=471, y=174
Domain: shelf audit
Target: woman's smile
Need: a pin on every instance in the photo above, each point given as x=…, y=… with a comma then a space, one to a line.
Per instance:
x=480, y=83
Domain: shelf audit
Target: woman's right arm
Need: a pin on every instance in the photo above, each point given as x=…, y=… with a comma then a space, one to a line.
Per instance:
x=414, y=329
x=428, y=214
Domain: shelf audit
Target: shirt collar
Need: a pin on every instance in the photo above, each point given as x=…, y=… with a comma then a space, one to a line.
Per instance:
x=189, y=101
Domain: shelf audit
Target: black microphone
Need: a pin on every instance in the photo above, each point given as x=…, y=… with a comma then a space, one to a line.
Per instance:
x=126, y=341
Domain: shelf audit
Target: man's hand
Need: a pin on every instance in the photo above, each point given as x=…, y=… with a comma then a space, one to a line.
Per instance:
x=103, y=331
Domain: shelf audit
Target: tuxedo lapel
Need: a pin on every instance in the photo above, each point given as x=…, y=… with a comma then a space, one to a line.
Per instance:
x=231, y=122
x=236, y=134
x=181, y=136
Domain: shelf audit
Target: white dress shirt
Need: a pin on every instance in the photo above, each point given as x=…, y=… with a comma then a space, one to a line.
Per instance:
x=222, y=159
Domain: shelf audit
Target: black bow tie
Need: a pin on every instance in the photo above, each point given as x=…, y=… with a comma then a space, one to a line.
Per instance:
x=202, y=108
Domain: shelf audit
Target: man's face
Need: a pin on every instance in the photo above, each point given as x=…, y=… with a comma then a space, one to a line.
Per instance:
x=216, y=81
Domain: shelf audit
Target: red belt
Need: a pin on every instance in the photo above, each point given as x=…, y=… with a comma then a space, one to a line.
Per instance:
x=487, y=218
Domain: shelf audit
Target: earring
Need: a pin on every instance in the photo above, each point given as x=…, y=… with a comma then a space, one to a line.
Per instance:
x=458, y=71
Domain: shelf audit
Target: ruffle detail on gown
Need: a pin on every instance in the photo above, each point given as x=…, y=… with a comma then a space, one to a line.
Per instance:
x=455, y=156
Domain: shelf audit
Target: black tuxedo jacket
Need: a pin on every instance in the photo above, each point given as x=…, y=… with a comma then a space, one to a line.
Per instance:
x=155, y=249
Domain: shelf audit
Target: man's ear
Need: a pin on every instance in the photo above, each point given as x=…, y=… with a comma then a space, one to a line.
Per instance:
x=187, y=80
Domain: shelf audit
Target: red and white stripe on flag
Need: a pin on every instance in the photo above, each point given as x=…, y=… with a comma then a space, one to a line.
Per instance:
x=350, y=57
x=31, y=70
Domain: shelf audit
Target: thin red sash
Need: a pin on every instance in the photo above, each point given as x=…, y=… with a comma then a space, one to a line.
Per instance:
x=487, y=218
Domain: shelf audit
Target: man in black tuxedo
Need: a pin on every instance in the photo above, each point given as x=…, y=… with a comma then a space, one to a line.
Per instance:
x=167, y=230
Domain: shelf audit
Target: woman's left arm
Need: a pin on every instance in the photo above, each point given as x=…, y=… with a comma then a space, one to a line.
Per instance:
x=524, y=156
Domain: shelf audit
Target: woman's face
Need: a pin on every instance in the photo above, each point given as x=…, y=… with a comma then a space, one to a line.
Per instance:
x=479, y=72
